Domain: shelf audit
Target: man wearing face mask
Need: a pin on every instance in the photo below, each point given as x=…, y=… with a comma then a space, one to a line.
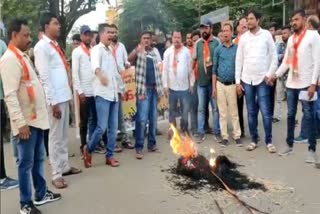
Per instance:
x=203, y=57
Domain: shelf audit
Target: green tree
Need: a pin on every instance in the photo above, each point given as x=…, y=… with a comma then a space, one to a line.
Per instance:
x=67, y=11
x=29, y=9
x=140, y=15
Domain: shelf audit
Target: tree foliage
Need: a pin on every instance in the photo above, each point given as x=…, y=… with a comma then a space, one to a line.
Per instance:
x=67, y=11
x=185, y=15
x=140, y=15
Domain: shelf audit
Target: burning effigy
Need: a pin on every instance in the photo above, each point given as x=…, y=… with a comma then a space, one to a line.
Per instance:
x=218, y=171
x=218, y=168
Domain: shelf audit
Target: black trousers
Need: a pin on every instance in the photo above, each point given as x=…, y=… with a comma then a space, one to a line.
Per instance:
x=240, y=113
x=3, y=125
x=46, y=141
x=88, y=119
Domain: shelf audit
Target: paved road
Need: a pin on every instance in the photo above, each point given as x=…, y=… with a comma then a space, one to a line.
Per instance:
x=139, y=187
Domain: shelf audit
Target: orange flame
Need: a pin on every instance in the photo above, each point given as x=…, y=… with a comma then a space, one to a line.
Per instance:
x=181, y=145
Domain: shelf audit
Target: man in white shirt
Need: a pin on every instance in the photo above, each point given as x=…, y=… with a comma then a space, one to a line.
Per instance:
x=120, y=54
x=105, y=88
x=82, y=76
x=53, y=70
x=302, y=60
x=178, y=79
x=256, y=61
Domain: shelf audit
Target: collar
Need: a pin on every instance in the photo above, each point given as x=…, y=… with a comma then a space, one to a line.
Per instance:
x=224, y=45
x=47, y=39
x=103, y=46
x=257, y=33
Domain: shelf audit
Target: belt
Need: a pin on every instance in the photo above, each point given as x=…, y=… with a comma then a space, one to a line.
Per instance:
x=228, y=83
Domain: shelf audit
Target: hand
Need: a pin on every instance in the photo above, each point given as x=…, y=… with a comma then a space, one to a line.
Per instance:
x=191, y=89
x=141, y=48
x=82, y=98
x=240, y=90
x=56, y=111
x=267, y=81
x=127, y=65
x=103, y=80
x=141, y=97
x=311, y=90
x=214, y=93
x=24, y=132
x=166, y=92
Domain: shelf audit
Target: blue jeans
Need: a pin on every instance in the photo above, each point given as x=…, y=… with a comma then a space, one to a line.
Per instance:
x=31, y=155
x=317, y=112
x=107, y=115
x=146, y=111
x=205, y=96
x=14, y=140
x=303, y=131
x=308, y=113
x=183, y=98
x=258, y=97
x=194, y=110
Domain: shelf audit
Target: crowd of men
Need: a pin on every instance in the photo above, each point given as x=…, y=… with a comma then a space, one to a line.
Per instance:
x=221, y=71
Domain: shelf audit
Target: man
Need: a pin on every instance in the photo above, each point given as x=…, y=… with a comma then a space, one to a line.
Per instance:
x=28, y=116
x=82, y=81
x=189, y=42
x=203, y=57
x=280, y=85
x=6, y=182
x=105, y=89
x=192, y=38
x=94, y=39
x=195, y=36
x=154, y=43
x=256, y=61
x=312, y=24
x=273, y=29
x=242, y=27
x=178, y=79
x=302, y=60
x=120, y=54
x=76, y=41
x=53, y=70
x=224, y=87
x=148, y=91
x=220, y=36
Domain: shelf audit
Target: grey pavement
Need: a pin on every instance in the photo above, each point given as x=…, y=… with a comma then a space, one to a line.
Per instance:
x=140, y=187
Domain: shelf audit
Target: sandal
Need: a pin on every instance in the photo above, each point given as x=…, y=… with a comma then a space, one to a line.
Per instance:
x=271, y=148
x=59, y=183
x=72, y=171
x=251, y=147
